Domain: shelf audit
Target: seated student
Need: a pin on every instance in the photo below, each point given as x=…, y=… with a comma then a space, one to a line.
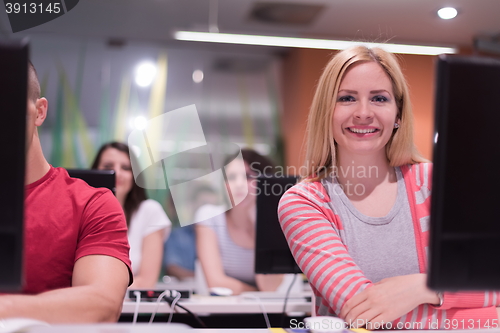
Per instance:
x=357, y=223
x=226, y=242
x=180, y=253
x=148, y=224
x=180, y=248
x=76, y=263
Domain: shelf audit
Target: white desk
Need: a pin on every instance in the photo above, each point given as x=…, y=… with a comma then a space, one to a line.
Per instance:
x=221, y=304
x=179, y=328
x=138, y=328
x=113, y=328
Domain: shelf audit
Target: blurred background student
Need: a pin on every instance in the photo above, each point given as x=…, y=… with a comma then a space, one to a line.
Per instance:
x=148, y=224
x=180, y=249
x=226, y=242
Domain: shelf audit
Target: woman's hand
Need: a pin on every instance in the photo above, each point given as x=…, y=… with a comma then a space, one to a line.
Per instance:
x=387, y=300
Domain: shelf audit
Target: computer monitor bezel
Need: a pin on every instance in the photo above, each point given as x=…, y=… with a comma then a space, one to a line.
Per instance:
x=14, y=57
x=460, y=254
x=96, y=178
x=267, y=224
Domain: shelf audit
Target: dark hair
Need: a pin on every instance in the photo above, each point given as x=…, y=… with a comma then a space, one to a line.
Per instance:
x=257, y=163
x=33, y=84
x=137, y=194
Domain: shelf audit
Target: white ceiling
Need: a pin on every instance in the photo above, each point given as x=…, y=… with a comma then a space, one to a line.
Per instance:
x=402, y=21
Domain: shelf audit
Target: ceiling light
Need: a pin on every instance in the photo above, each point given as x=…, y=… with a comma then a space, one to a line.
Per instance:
x=305, y=42
x=447, y=13
x=197, y=76
x=140, y=123
x=145, y=74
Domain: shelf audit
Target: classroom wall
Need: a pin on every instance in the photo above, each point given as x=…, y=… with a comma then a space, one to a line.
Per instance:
x=93, y=97
x=301, y=71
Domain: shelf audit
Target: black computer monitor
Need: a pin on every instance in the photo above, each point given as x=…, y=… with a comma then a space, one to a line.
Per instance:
x=95, y=178
x=13, y=97
x=465, y=219
x=272, y=254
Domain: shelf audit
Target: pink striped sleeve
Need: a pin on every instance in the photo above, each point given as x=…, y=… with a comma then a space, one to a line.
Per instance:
x=470, y=300
x=315, y=243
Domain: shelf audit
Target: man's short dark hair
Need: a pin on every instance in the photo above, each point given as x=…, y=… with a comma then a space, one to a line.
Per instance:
x=33, y=84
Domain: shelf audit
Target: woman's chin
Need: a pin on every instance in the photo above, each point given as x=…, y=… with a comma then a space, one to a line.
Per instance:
x=244, y=200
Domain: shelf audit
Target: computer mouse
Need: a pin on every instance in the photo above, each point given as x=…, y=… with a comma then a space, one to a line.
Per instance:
x=18, y=325
x=220, y=291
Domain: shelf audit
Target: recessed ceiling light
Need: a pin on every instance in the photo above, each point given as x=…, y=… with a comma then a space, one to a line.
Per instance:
x=447, y=13
x=145, y=74
x=140, y=123
x=198, y=76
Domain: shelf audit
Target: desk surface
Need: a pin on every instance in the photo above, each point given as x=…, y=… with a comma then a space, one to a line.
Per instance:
x=138, y=328
x=179, y=328
x=222, y=304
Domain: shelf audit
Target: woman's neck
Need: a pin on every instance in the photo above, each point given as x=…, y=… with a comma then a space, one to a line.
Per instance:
x=121, y=200
x=366, y=171
x=242, y=218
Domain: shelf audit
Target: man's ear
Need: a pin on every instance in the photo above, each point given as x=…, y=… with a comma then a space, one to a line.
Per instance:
x=41, y=110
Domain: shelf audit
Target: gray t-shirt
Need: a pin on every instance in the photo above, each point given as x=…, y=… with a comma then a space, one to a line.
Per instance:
x=382, y=247
x=238, y=262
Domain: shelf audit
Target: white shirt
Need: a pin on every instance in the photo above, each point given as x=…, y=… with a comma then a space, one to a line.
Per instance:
x=149, y=217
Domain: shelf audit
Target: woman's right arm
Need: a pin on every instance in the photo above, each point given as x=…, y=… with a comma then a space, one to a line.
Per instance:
x=211, y=262
x=311, y=229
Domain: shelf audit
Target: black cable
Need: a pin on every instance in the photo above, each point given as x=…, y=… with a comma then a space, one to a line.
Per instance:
x=198, y=320
x=286, y=300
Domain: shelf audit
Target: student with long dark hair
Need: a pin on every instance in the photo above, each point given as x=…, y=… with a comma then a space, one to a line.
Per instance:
x=226, y=242
x=148, y=224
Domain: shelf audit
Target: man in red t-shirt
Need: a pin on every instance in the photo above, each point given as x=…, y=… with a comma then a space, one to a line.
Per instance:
x=76, y=260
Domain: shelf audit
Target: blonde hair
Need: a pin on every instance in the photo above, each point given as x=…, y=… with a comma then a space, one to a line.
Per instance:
x=320, y=145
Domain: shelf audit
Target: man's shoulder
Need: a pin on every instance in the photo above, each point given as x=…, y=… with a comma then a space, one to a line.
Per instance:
x=69, y=195
x=76, y=187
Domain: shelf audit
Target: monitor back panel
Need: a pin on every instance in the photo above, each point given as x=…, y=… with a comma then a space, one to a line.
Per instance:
x=465, y=220
x=95, y=178
x=13, y=97
x=272, y=254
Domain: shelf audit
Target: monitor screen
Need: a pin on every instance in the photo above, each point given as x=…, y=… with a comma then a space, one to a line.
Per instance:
x=95, y=178
x=465, y=223
x=272, y=254
x=13, y=97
